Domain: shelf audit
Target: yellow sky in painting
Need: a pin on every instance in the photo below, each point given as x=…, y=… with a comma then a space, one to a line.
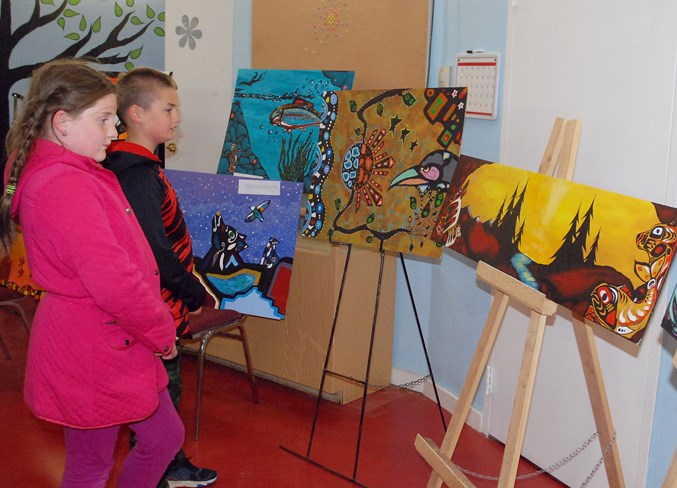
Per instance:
x=551, y=204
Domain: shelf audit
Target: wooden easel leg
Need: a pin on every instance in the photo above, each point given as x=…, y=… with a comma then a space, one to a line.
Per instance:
x=523, y=395
x=671, y=477
x=425, y=446
x=585, y=338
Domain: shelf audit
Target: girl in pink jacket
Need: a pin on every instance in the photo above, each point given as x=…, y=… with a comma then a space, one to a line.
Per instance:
x=102, y=328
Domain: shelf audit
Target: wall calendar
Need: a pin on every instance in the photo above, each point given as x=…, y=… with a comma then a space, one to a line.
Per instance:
x=479, y=72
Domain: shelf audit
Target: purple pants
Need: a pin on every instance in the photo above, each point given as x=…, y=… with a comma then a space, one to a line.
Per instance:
x=89, y=452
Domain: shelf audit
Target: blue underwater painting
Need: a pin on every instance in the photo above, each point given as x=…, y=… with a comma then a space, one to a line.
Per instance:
x=274, y=122
x=244, y=236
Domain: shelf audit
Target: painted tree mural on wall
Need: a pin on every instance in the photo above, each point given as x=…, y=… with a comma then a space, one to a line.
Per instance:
x=113, y=32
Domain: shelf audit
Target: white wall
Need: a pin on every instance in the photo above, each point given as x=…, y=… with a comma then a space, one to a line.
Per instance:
x=614, y=67
x=204, y=75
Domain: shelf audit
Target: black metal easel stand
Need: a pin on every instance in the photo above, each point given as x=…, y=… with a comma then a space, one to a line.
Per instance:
x=365, y=383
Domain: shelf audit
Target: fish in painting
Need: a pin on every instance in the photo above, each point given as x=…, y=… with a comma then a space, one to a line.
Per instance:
x=298, y=114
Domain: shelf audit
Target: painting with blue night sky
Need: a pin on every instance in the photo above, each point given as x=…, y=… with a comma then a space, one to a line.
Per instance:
x=274, y=122
x=244, y=235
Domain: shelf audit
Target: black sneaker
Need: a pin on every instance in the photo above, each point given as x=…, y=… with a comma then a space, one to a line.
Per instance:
x=184, y=474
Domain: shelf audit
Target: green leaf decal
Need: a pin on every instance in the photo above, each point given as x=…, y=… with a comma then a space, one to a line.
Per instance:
x=130, y=3
x=379, y=109
x=337, y=204
x=439, y=199
x=73, y=2
x=118, y=10
x=159, y=31
x=371, y=218
x=150, y=13
x=47, y=2
x=161, y=16
x=61, y=22
x=83, y=24
x=136, y=21
x=96, y=26
x=73, y=36
x=129, y=66
x=136, y=53
x=412, y=203
x=353, y=106
x=69, y=13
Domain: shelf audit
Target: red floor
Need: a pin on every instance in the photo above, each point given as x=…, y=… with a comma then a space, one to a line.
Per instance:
x=243, y=441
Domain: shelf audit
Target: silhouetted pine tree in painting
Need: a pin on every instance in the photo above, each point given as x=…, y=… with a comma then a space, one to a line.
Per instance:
x=572, y=251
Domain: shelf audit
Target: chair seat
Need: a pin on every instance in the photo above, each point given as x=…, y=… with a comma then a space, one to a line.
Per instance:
x=204, y=326
x=210, y=318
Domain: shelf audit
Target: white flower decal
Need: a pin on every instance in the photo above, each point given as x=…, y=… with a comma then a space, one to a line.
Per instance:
x=188, y=32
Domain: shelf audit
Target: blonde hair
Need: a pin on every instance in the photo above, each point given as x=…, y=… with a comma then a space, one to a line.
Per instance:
x=137, y=87
x=68, y=84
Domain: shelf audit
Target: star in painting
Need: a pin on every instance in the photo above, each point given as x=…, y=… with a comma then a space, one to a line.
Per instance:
x=393, y=123
x=413, y=145
x=404, y=134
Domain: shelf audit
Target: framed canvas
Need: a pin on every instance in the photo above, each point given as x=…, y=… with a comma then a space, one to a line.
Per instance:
x=244, y=236
x=603, y=255
x=387, y=157
x=274, y=122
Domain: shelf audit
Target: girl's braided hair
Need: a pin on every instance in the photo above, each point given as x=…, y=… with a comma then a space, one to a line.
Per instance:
x=72, y=85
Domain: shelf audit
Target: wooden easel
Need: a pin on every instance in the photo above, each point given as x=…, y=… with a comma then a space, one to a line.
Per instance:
x=558, y=160
x=671, y=476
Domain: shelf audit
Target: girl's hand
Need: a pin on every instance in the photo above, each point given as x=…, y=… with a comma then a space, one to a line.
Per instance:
x=170, y=355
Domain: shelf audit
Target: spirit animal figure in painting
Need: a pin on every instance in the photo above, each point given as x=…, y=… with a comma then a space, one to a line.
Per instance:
x=244, y=232
x=387, y=160
x=603, y=255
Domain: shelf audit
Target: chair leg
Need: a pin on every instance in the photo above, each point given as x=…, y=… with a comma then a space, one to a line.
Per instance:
x=200, y=371
x=24, y=316
x=248, y=363
x=16, y=306
x=5, y=351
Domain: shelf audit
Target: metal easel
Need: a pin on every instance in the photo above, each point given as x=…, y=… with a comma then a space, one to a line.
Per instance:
x=362, y=382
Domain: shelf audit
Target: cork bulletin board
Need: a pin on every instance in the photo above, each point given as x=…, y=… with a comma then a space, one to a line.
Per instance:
x=384, y=41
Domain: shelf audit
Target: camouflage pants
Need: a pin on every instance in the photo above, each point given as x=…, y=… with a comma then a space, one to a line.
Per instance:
x=175, y=386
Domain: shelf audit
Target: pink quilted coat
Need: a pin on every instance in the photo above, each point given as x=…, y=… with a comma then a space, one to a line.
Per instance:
x=91, y=360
